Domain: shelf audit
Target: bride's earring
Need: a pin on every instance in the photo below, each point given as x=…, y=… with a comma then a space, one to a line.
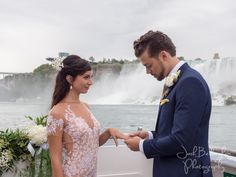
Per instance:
x=71, y=87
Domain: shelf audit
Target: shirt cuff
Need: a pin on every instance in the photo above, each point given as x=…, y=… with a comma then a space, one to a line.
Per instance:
x=141, y=146
x=150, y=135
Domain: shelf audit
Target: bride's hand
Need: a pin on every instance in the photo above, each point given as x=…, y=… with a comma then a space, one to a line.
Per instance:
x=116, y=134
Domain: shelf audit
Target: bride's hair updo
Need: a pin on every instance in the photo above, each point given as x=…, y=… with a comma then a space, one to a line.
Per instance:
x=72, y=65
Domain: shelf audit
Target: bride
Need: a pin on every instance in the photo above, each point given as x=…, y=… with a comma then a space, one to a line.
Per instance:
x=73, y=132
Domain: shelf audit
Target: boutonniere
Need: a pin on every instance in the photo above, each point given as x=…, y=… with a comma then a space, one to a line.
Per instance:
x=163, y=101
x=172, y=79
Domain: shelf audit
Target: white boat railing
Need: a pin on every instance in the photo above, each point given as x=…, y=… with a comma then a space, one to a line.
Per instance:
x=224, y=151
x=121, y=162
x=223, y=165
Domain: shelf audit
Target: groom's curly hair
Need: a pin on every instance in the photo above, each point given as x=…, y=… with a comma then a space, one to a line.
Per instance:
x=154, y=42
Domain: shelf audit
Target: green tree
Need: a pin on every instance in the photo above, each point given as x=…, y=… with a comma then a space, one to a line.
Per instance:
x=121, y=62
x=44, y=71
x=181, y=58
x=113, y=60
x=91, y=59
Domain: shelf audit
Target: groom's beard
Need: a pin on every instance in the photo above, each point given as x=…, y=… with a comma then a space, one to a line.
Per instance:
x=160, y=76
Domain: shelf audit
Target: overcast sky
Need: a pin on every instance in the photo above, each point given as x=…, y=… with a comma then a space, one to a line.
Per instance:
x=32, y=30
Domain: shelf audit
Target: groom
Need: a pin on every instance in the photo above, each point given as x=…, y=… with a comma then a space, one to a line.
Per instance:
x=179, y=144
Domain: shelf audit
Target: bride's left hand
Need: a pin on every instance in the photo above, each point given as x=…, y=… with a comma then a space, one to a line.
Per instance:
x=116, y=134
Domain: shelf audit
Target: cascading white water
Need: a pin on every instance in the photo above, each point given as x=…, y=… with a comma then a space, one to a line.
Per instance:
x=134, y=86
x=220, y=75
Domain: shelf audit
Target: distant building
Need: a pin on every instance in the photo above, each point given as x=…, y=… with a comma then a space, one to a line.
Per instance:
x=50, y=59
x=198, y=59
x=60, y=55
x=63, y=54
x=216, y=56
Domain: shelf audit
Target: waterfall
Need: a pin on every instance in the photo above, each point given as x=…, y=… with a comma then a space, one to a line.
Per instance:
x=219, y=75
x=134, y=86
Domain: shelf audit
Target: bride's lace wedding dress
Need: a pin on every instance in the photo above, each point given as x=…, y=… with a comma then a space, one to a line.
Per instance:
x=80, y=143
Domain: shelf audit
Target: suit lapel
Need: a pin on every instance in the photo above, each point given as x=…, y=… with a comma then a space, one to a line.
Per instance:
x=182, y=70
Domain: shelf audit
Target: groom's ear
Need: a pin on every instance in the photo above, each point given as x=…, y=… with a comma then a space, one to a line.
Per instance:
x=163, y=55
x=69, y=79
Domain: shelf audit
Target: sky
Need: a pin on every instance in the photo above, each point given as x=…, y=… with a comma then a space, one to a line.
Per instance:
x=31, y=30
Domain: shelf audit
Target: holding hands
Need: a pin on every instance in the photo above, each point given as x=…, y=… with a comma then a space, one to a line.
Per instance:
x=134, y=138
x=116, y=134
x=140, y=134
x=131, y=140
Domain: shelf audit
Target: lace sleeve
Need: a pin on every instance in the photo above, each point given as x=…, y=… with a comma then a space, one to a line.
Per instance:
x=54, y=125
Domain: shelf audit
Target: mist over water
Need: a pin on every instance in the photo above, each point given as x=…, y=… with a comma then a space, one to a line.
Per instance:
x=131, y=86
x=134, y=86
x=221, y=77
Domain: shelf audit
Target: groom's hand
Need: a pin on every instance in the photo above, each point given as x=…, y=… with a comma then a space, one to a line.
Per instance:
x=133, y=143
x=141, y=134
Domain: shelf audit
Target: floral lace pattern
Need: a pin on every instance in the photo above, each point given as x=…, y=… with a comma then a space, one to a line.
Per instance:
x=54, y=125
x=80, y=143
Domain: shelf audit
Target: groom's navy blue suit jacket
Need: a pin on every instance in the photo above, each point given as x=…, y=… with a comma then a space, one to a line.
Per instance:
x=180, y=143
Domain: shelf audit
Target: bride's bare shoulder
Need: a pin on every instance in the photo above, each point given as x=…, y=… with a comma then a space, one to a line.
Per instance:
x=58, y=111
x=86, y=104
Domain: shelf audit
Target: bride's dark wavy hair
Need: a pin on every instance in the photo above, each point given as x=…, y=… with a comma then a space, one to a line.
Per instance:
x=73, y=65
